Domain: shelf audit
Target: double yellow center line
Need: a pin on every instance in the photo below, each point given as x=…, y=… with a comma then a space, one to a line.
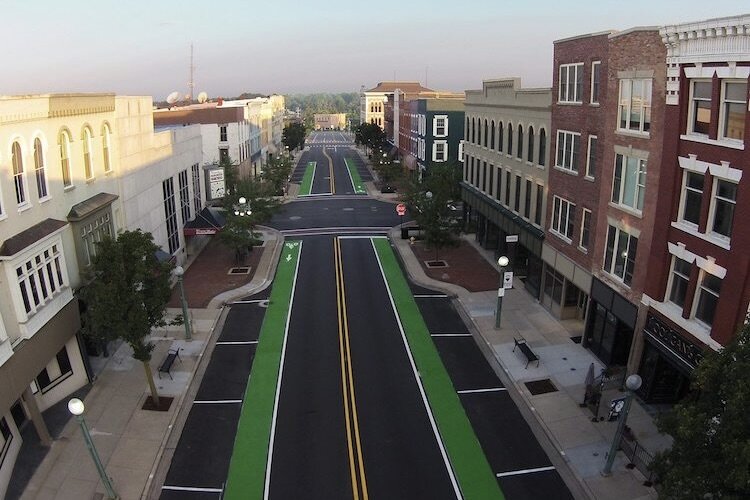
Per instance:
x=354, y=445
x=330, y=172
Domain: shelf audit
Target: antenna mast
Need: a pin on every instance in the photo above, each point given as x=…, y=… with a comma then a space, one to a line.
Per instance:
x=191, y=82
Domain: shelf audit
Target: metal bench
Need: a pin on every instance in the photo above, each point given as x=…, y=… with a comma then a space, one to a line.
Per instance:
x=526, y=350
x=166, y=365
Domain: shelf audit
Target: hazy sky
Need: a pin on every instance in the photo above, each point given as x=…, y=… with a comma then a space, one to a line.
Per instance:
x=142, y=47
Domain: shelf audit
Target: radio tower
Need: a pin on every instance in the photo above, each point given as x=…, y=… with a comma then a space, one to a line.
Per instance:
x=191, y=83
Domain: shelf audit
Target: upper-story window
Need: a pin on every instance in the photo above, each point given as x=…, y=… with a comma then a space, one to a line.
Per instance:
x=568, y=147
x=542, y=147
x=486, y=133
x=492, y=134
x=530, y=145
x=461, y=151
x=40, y=277
x=619, y=257
x=519, y=148
x=595, y=81
x=440, y=151
x=106, y=148
x=679, y=280
x=223, y=133
x=40, y=170
x=64, y=142
x=473, y=131
x=733, y=110
x=563, y=215
x=440, y=126
x=708, y=298
x=700, y=108
x=466, y=130
x=88, y=167
x=500, y=136
x=634, y=113
x=510, y=139
x=571, y=83
x=19, y=175
x=723, y=203
x=591, y=158
x=692, y=197
x=629, y=181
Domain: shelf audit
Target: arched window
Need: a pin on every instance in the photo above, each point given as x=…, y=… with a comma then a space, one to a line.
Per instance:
x=473, y=131
x=40, y=169
x=106, y=137
x=88, y=168
x=19, y=176
x=492, y=134
x=500, y=137
x=530, y=155
x=485, y=132
x=64, y=142
x=519, y=148
x=466, y=132
x=542, y=147
x=510, y=138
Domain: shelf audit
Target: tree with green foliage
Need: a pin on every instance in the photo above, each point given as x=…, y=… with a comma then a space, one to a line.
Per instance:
x=293, y=136
x=430, y=202
x=276, y=173
x=127, y=296
x=710, y=455
x=369, y=135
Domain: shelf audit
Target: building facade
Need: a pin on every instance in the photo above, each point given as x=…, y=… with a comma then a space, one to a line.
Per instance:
x=330, y=121
x=697, y=293
x=67, y=164
x=505, y=168
x=373, y=101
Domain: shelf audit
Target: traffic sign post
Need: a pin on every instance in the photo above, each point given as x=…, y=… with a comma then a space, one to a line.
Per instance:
x=401, y=211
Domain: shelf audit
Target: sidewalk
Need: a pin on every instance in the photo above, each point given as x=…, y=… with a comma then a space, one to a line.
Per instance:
x=568, y=430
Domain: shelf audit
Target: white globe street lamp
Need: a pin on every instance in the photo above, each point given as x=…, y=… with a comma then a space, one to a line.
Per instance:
x=503, y=262
x=76, y=408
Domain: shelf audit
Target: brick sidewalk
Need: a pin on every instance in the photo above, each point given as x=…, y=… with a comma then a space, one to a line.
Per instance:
x=466, y=267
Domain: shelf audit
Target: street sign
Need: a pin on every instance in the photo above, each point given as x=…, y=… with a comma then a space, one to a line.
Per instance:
x=401, y=209
x=511, y=238
x=508, y=279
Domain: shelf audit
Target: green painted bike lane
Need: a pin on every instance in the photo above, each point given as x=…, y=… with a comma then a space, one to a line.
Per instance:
x=473, y=473
x=359, y=186
x=307, y=179
x=247, y=468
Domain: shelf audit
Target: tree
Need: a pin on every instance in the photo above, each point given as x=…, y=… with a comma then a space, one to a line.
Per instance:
x=293, y=136
x=710, y=455
x=369, y=135
x=430, y=202
x=128, y=295
x=276, y=174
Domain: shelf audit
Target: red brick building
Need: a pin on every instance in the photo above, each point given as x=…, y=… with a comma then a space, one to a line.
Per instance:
x=697, y=291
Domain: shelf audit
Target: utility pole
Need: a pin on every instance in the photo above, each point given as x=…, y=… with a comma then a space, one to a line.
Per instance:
x=191, y=82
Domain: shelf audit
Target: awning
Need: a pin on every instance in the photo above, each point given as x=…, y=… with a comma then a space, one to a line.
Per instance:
x=208, y=221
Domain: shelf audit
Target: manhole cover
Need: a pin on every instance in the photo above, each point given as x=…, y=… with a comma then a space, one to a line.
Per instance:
x=435, y=263
x=239, y=270
x=543, y=386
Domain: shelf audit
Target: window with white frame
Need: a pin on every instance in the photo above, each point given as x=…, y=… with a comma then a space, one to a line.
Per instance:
x=461, y=151
x=55, y=372
x=708, y=298
x=571, y=83
x=422, y=149
x=692, y=197
x=563, y=214
x=440, y=151
x=733, y=110
x=591, y=158
x=182, y=178
x=64, y=142
x=223, y=133
x=40, y=170
x=170, y=215
x=595, y=81
x=634, y=111
x=568, y=146
x=92, y=233
x=619, y=257
x=440, y=126
x=585, y=237
x=700, y=107
x=19, y=175
x=723, y=201
x=196, y=174
x=679, y=280
x=88, y=168
x=41, y=277
x=629, y=181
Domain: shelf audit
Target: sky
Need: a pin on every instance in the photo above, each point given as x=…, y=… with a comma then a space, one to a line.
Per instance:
x=139, y=47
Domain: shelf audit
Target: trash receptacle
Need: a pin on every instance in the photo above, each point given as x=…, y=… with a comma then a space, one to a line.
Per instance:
x=404, y=233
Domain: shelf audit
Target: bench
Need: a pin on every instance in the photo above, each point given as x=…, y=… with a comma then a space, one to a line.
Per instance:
x=526, y=350
x=166, y=365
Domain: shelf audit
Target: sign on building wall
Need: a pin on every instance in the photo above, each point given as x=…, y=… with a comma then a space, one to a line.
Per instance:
x=216, y=185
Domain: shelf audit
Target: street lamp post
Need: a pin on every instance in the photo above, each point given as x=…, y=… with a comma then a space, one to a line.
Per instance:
x=242, y=209
x=76, y=407
x=502, y=262
x=179, y=272
x=633, y=383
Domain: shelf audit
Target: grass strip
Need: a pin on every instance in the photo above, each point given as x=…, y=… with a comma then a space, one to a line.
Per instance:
x=359, y=186
x=247, y=468
x=306, y=187
x=473, y=472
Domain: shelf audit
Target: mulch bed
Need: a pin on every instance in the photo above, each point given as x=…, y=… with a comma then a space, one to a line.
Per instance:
x=208, y=275
x=466, y=267
x=165, y=402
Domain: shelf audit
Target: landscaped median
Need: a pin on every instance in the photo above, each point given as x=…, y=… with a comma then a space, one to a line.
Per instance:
x=473, y=472
x=307, y=179
x=359, y=186
x=247, y=468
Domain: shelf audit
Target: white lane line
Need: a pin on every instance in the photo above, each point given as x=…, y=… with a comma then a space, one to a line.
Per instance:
x=354, y=188
x=281, y=375
x=313, y=194
x=418, y=380
x=450, y=335
x=217, y=402
x=491, y=389
x=192, y=488
x=249, y=301
x=335, y=229
x=430, y=296
x=360, y=237
x=237, y=342
x=524, y=471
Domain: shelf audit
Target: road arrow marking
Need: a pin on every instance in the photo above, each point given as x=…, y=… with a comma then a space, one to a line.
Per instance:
x=288, y=258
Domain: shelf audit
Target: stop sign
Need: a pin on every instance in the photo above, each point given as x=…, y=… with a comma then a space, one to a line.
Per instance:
x=401, y=209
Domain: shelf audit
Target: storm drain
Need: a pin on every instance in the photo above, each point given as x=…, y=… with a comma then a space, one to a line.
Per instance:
x=577, y=339
x=239, y=270
x=435, y=263
x=543, y=386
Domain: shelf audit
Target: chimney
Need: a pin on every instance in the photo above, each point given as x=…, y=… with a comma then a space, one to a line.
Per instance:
x=220, y=102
